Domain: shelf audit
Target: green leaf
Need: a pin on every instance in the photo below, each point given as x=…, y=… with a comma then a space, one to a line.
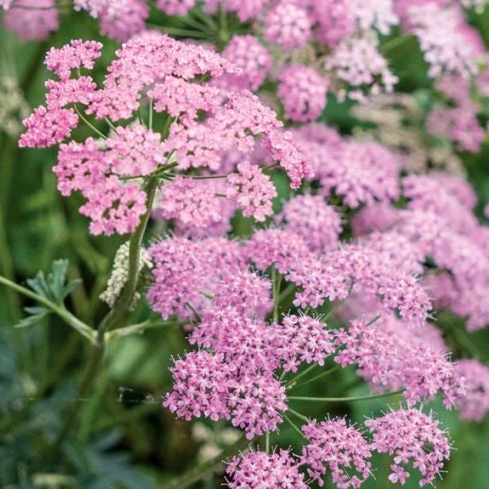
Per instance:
x=36, y=315
x=54, y=287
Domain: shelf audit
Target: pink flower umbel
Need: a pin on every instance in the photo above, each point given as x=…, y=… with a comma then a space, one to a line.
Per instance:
x=288, y=25
x=247, y=53
x=252, y=190
x=258, y=469
x=337, y=448
x=303, y=93
x=410, y=436
x=314, y=220
x=202, y=123
x=389, y=356
x=473, y=405
x=32, y=21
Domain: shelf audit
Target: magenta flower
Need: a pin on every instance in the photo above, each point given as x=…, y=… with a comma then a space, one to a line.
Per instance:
x=338, y=448
x=258, y=469
x=303, y=93
x=410, y=436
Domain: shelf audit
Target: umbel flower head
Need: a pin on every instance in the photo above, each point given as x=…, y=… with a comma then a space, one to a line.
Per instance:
x=410, y=436
x=201, y=124
x=257, y=469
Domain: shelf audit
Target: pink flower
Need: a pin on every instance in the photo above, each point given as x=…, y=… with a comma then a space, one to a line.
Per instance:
x=191, y=202
x=360, y=173
x=474, y=404
x=252, y=190
x=244, y=10
x=81, y=166
x=69, y=91
x=429, y=194
x=303, y=92
x=358, y=64
x=247, y=53
x=114, y=207
x=459, y=124
x=32, y=22
x=285, y=150
x=275, y=247
x=379, y=14
x=398, y=474
x=356, y=268
x=145, y=60
x=175, y=7
x=177, y=96
x=288, y=25
x=375, y=217
x=135, y=151
x=184, y=268
x=201, y=383
x=258, y=469
x=69, y=57
x=315, y=221
x=335, y=18
x=207, y=384
x=410, y=435
x=304, y=339
x=47, y=127
x=448, y=43
x=391, y=356
x=339, y=448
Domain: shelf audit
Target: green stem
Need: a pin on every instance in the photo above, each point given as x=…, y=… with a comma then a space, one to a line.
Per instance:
x=175, y=31
x=150, y=114
x=267, y=443
x=88, y=123
x=124, y=301
x=114, y=316
x=6, y=267
x=321, y=375
x=300, y=375
x=276, y=287
x=345, y=399
x=73, y=321
x=299, y=415
x=294, y=426
x=206, y=468
x=140, y=328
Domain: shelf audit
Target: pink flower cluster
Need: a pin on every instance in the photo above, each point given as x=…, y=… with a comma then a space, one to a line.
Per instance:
x=258, y=469
x=359, y=172
x=342, y=451
x=448, y=42
x=341, y=448
x=247, y=53
x=311, y=218
x=303, y=92
x=358, y=64
x=458, y=123
x=334, y=276
x=389, y=356
x=234, y=377
x=474, y=404
x=185, y=268
x=206, y=122
x=31, y=24
x=410, y=435
x=438, y=225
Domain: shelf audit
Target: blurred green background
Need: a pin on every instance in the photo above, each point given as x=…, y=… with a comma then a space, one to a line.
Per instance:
x=123, y=437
